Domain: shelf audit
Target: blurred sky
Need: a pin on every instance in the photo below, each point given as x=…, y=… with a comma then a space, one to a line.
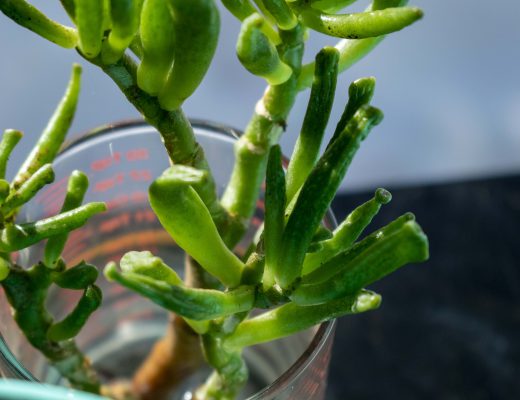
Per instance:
x=449, y=86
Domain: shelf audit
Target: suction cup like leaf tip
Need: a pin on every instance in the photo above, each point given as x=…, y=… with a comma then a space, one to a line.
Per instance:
x=417, y=11
x=422, y=248
x=409, y=216
x=255, y=20
x=383, y=196
x=79, y=176
x=47, y=173
x=141, y=258
x=367, y=301
x=98, y=207
x=370, y=113
x=14, y=132
x=366, y=83
x=328, y=51
x=76, y=69
x=181, y=174
x=95, y=294
x=110, y=271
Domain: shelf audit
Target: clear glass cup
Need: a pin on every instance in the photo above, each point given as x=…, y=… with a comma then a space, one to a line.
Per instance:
x=121, y=161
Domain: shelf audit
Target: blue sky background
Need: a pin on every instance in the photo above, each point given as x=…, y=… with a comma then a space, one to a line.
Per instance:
x=449, y=87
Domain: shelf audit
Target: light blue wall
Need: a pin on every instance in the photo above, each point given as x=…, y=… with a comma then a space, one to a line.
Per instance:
x=449, y=87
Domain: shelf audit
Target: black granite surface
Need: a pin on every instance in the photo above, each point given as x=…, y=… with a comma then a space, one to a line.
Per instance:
x=449, y=328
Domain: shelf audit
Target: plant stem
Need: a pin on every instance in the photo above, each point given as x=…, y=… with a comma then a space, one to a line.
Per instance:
x=173, y=358
x=174, y=127
x=230, y=373
x=263, y=130
x=26, y=291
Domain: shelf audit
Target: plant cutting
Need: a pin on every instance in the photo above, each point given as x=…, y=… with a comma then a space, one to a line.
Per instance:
x=296, y=272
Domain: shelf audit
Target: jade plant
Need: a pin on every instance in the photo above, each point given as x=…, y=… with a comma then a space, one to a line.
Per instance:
x=297, y=273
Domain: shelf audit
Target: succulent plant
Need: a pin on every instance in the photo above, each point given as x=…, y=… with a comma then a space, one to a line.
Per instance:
x=297, y=272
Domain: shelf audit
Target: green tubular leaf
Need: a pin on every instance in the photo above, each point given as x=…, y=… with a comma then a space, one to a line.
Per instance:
x=17, y=237
x=145, y=263
x=69, y=7
x=360, y=93
x=5, y=189
x=370, y=260
x=53, y=136
x=197, y=26
x=33, y=19
x=4, y=269
x=254, y=269
x=258, y=55
x=361, y=25
x=328, y=269
x=10, y=139
x=81, y=276
x=347, y=232
x=241, y=9
x=72, y=324
x=318, y=191
x=274, y=210
x=125, y=15
x=136, y=46
x=330, y=6
x=321, y=234
x=291, y=318
x=195, y=304
x=382, y=4
x=28, y=190
x=76, y=189
x=89, y=20
x=350, y=50
x=315, y=122
x=281, y=13
x=190, y=224
x=158, y=39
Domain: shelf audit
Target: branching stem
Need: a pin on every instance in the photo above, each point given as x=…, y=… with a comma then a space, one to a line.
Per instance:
x=174, y=127
x=263, y=130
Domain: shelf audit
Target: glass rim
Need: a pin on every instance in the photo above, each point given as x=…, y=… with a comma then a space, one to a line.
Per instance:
x=324, y=331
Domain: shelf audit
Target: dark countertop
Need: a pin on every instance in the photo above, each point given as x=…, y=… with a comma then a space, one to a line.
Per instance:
x=449, y=328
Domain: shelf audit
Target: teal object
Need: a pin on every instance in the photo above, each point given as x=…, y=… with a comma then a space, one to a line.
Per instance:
x=22, y=390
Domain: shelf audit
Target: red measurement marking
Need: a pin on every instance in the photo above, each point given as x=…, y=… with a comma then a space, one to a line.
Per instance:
x=114, y=223
x=70, y=251
x=139, y=197
x=256, y=221
x=51, y=209
x=57, y=188
x=140, y=175
x=55, y=197
x=137, y=154
x=109, y=183
x=260, y=204
x=144, y=216
x=104, y=163
x=78, y=235
x=118, y=201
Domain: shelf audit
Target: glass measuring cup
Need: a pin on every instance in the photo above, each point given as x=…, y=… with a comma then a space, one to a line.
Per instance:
x=121, y=161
